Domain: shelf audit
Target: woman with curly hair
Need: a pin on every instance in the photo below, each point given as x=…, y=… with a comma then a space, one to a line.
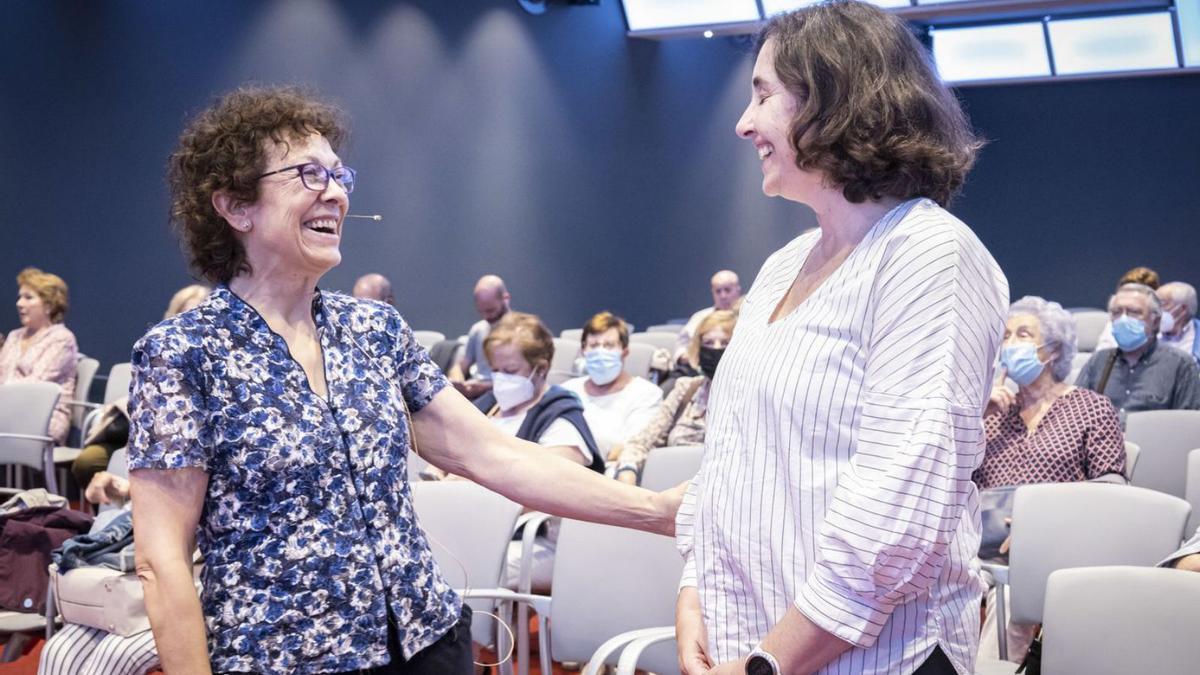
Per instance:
x=272, y=425
x=833, y=522
x=42, y=349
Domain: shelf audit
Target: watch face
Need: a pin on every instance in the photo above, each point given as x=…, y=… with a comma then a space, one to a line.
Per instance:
x=757, y=665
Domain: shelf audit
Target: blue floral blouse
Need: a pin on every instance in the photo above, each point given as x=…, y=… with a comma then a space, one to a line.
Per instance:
x=308, y=532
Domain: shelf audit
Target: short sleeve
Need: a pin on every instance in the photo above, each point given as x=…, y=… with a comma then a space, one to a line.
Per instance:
x=168, y=409
x=563, y=433
x=420, y=378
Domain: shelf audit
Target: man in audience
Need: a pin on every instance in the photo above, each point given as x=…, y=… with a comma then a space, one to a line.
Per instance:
x=1179, y=322
x=492, y=302
x=725, y=291
x=1136, y=375
x=374, y=287
x=1187, y=557
x=1137, y=275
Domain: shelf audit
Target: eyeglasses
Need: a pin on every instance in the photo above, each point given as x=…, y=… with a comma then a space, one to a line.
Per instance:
x=316, y=177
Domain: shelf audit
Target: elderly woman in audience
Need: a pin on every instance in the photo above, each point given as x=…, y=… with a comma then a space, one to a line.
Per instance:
x=42, y=349
x=1179, y=327
x=273, y=424
x=1048, y=431
x=680, y=419
x=615, y=403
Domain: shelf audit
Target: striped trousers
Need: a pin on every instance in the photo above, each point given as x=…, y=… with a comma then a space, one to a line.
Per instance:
x=80, y=650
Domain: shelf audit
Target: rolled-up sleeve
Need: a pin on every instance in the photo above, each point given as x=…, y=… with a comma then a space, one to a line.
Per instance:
x=938, y=316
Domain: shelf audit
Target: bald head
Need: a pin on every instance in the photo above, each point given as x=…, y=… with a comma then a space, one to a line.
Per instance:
x=491, y=298
x=374, y=287
x=725, y=289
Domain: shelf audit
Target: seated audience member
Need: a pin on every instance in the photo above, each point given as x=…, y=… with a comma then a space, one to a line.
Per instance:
x=615, y=403
x=1138, y=275
x=42, y=349
x=1137, y=375
x=1187, y=557
x=519, y=350
x=726, y=290
x=1179, y=323
x=472, y=375
x=374, y=287
x=680, y=418
x=111, y=431
x=1049, y=431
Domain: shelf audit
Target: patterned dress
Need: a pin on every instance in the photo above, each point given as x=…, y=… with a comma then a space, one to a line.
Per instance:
x=308, y=533
x=1079, y=438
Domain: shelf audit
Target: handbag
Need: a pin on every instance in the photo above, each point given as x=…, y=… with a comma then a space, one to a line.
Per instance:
x=995, y=505
x=100, y=597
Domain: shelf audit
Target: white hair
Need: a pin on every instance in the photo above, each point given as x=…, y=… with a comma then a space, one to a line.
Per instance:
x=1058, y=331
x=1151, y=296
x=1181, y=292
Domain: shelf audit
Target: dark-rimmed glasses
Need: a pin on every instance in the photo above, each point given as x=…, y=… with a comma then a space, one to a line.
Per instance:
x=316, y=177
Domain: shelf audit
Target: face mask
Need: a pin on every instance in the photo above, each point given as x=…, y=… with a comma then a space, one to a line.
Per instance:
x=1168, y=323
x=709, y=358
x=603, y=365
x=1130, y=333
x=511, y=390
x=1021, y=362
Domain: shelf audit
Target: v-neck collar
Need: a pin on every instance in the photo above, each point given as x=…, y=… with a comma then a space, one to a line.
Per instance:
x=801, y=256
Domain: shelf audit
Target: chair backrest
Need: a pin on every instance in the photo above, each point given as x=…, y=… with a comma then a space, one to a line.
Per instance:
x=657, y=340
x=428, y=338
x=1165, y=437
x=85, y=372
x=565, y=352
x=25, y=408
x=672, y=328
x=1193, y=489
x=670, y=466
x=1060, y=525
x=638, y=361
x=559, y=376
x=1089, y=324
x=1132, y=452
x=468, y=528
x=588, y=607
x=118, y=382
x=573, y=334
x=1118, y=620
x=1077, y=363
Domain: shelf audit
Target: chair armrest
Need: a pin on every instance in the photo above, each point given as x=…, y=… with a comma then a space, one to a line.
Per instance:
x=528, y=524
x=627, y=665
x=540, y=603
x=76, y=403
x=27, y=437
x=596, y=664
x=997, y=571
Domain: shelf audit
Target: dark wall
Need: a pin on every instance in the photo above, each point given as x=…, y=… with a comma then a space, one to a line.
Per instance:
x=590, y=170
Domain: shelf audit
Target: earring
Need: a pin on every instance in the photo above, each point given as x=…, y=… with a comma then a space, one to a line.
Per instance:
x=246, y=225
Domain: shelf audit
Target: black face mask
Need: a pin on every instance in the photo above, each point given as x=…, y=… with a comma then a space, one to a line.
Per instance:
x=709, y=358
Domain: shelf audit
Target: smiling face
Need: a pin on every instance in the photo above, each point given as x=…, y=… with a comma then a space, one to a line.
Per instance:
x=766, y=123
x=290, y=228
x=31, y=309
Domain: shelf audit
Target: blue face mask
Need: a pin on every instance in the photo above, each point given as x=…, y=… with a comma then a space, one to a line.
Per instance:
x=1021, y=362
x=1129, y=332
x=603, y=365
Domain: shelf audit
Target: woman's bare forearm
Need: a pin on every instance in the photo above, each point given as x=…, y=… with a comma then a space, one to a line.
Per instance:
x=175, y=616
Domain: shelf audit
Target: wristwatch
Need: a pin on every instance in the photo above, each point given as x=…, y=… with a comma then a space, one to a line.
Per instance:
x=762, y=663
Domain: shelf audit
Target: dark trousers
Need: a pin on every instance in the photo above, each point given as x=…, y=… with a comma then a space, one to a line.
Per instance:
x=937, y=664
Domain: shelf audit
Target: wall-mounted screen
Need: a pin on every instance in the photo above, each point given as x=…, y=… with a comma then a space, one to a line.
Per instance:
x=1113, y=43
x=659, y=14
x=991, y=52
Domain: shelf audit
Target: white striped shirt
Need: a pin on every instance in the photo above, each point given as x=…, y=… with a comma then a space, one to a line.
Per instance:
x=841, y=442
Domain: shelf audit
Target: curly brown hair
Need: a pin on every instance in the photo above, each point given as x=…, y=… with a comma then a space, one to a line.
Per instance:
x=50, y=288
x=873, y=116
x=224, y=148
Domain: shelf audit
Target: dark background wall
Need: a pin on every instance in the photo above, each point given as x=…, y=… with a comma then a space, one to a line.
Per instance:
x=590, y=170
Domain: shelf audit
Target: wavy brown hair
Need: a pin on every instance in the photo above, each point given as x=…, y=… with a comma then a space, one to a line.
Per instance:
x=225, y=148
x=872, y=115
x=527, y=332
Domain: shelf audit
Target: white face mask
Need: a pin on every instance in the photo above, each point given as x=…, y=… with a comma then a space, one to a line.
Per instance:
x=1168, y=323
x=511, y=390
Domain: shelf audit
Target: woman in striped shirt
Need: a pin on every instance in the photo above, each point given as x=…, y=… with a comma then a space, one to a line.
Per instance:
x=833, y=524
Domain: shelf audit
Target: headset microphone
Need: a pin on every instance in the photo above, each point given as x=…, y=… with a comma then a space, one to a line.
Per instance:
x=376, y=217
